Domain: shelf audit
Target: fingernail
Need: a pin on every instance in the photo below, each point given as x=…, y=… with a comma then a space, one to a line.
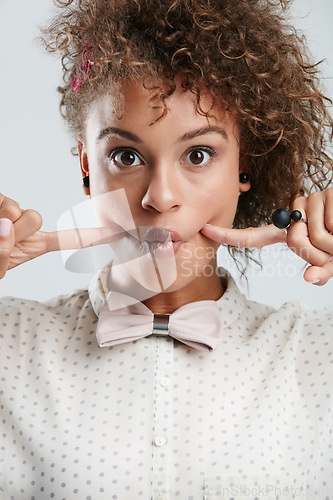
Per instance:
x=313, y=282
x=330, y=259
x=5, y=225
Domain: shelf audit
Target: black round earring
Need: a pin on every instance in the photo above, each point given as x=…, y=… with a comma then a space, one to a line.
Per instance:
x=85, y=181
x=244, y=178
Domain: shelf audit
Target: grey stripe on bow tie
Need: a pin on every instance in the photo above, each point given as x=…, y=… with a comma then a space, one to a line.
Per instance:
x=161, y=324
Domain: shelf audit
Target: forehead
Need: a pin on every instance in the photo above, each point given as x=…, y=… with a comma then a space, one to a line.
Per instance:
x=133, y=104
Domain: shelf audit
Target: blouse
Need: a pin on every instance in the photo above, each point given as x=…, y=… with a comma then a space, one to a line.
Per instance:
x=156, y=419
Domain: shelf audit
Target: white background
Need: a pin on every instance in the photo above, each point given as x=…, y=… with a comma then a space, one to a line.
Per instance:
x=38, y=171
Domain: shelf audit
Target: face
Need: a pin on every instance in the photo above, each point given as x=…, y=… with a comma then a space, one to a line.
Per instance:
x=178, y=174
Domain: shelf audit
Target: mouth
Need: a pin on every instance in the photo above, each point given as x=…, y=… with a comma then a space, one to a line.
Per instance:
x=158, y=234
x=159, y=241
x=163, y=242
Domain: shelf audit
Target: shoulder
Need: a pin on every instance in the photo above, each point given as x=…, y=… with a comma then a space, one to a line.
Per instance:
x=10, y=306
x=293, y=331
x=295, y=315
x=291, y=316
x=250, y=317
x=23, y=320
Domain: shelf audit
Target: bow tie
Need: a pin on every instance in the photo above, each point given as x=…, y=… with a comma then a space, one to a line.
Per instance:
x=123, y=319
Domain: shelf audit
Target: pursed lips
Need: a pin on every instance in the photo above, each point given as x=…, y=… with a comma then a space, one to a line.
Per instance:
x=149, y=239
x=157, y=234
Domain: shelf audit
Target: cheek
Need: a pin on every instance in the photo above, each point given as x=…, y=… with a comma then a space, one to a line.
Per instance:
x=222, y=204
x=101, y=181
x=98, y=176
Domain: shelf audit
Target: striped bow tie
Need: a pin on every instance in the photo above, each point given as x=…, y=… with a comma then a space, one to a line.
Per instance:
x=123, y=319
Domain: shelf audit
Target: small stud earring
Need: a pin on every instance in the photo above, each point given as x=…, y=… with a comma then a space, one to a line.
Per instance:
x=244, y=178
x=85, y=181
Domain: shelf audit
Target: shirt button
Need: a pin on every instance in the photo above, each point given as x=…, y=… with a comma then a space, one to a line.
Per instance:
x=164, y=381
x=162, y=497
x=160, y=441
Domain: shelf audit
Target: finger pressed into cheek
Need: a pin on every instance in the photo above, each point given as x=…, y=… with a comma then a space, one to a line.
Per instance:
x=251, y=237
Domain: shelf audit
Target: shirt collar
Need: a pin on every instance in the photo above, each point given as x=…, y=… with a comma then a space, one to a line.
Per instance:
x=230, y=305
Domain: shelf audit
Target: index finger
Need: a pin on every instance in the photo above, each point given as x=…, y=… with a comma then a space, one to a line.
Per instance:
x=72, y=239
x=251, y=237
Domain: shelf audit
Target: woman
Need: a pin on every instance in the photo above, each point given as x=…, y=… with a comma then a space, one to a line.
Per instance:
x=189, y=113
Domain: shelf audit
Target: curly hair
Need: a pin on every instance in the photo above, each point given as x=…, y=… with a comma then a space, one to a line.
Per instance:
x=245, y=53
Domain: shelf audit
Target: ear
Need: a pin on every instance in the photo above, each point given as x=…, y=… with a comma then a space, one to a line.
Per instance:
x=243, y=186
x=83, y=164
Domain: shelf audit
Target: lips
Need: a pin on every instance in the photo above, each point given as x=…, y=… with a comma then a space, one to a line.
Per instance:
x=162, y=242
x=161, y=235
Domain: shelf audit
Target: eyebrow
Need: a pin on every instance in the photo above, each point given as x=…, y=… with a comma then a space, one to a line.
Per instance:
x=186, y=137
x=204, y=131
x=120, y=133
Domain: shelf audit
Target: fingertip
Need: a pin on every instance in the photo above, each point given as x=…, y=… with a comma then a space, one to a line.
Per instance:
x=314, y=282
x=206, y=226
x=315, y=275
x=5, y=227
x=214, y=233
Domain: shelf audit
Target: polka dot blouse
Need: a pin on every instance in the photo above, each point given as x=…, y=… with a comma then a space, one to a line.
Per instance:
x=156, y=419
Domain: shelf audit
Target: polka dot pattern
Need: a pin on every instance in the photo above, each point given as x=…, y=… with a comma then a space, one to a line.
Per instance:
x=155, y=419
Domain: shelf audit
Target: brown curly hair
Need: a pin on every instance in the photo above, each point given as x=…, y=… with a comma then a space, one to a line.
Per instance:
x=245, y=53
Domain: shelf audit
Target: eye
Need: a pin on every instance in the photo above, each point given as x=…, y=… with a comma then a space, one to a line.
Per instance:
x=199, y=156
x=125, y=158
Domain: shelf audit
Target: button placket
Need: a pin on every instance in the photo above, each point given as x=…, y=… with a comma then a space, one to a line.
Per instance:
x=162, y=416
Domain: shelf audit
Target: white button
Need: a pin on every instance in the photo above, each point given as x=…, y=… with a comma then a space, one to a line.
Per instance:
x=160, y=441
x=164, y=382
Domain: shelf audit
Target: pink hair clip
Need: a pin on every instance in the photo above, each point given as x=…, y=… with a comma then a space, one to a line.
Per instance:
x=82, y=71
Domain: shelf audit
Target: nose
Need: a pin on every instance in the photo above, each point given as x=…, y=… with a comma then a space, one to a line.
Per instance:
x=163, y=192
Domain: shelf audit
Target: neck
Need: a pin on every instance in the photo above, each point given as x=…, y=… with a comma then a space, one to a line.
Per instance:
x=201, y=288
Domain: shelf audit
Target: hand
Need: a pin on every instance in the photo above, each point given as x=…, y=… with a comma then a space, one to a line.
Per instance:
x=24, y=241
x=313, y=242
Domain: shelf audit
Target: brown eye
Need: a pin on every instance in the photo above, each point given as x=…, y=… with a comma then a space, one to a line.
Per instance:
x=127, y=158
x=124, y=158
x=199, y=156
x=196, y=157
